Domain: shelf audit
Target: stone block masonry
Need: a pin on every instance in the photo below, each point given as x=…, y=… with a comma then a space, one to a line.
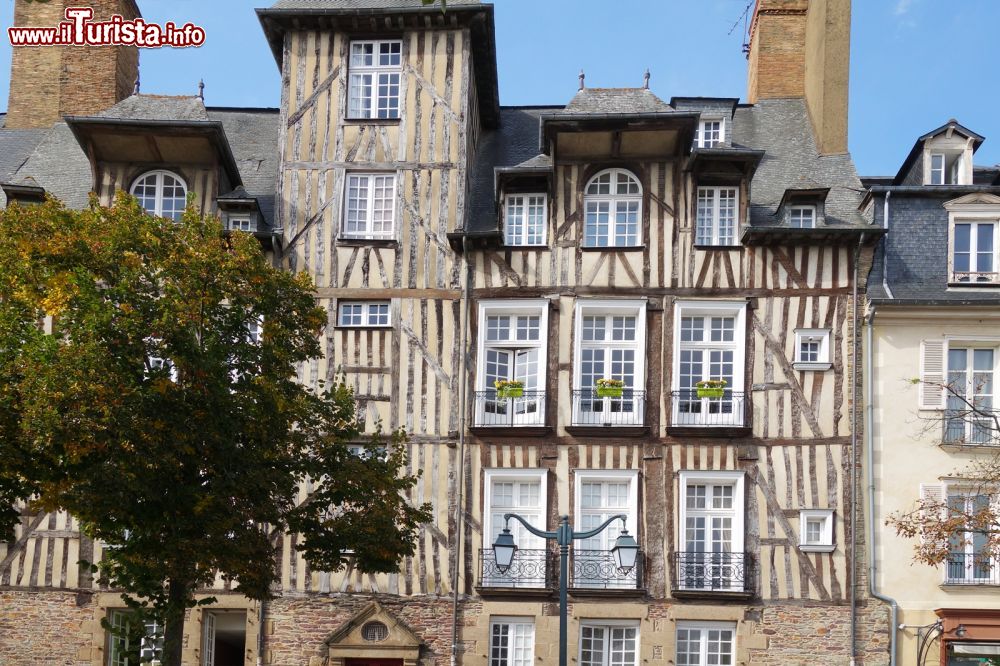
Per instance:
x=50, y=628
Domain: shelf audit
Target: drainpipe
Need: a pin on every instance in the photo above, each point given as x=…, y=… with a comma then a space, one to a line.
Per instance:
x=885, y=249
x=870, y=472
x=463, y=409
x=260, y=632
x=854, y=453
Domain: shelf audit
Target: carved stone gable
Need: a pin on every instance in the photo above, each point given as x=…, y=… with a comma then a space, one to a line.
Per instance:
x=373, y=634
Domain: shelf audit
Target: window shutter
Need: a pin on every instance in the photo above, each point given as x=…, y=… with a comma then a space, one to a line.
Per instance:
x=932, y=356
x=933, y=493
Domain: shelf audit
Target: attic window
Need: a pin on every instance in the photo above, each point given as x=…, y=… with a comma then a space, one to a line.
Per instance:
x=944, y=168
x=161, y=193
x=802, y=217
x=374, y=632
x=376, y=67
x=711, y=133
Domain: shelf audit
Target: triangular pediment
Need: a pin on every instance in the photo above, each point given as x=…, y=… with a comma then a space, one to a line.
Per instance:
x=974, y=199
x=374, y=632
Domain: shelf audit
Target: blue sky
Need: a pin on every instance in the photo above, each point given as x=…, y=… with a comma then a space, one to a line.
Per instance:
x=914, y=63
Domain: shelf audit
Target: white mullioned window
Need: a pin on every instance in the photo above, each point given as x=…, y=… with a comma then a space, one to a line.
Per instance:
x=711, y=132
x=609, y=643
x=969, y=398
x=375, y=70
x=370, y=205
x=513, y=339
x=601, y=494
x=242, y=223
x=525, y=219
x=711, y=535
x=709, y=344
x=520, y=491
x=512, y=641
x=161, y=193
x=363, y=313
x=612, y=210
x=812, y=349
x=717, y=216
x=816, y=530
x=119, y=646
x=706, y=643
x=610, y=344
x=970, y=559
x=802, y=217
x=974, y=250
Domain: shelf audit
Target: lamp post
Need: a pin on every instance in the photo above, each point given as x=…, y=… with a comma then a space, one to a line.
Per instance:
x=625, y=552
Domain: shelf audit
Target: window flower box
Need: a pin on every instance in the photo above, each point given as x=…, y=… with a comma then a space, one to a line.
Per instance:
x=610, y=388
x=509, y=388
x=711, y=388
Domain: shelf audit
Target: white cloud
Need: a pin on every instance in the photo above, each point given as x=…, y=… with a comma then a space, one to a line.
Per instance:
x=903, y=7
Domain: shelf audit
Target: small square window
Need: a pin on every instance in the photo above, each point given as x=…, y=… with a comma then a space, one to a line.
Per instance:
x=368, y=313
x=816, y=530
x=812, y=349
x=802, y=217
x=711, y=132
x=242, y=223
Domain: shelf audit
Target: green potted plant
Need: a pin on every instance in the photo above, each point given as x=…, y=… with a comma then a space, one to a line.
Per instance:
x=711, y=388
x=509, y=388
x=610, y=388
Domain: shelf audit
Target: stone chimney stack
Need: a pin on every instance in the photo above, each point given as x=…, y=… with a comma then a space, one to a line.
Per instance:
x=49, y=82
x=801, y=48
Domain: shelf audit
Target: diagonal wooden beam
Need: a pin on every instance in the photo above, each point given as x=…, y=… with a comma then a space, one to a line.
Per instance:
x=311, y=100
x=22, y=541
x=778, y=350
x=426, y=354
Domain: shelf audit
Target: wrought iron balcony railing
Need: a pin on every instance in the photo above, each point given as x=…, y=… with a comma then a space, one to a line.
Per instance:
x=691, y=411
x=531, y=569
x=971, y=427
x=590, y=409
x=713, y=572
x=598, y=570
x=971, y=569
x=495, y=412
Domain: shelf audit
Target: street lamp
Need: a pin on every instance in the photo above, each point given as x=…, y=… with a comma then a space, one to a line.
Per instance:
x=625, y=552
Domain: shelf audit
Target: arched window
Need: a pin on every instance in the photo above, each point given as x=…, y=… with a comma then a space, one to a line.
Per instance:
x=613, y=204
x=161, y=193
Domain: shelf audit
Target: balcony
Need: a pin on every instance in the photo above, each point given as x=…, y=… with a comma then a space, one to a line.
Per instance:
x=691, y=415
x=530, y=570
x=526, y=411
x=592, y=570
x=591, y=410
x=698, y=574
x=971, y=569
x=967, y=427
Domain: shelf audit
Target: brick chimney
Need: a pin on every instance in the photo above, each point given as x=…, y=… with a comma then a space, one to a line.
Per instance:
x=49, y=82
x=801, y=48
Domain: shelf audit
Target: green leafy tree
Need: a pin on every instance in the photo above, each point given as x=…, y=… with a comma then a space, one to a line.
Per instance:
x=148, y=386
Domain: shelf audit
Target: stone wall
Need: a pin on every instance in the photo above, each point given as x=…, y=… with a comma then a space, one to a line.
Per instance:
x=48, y=628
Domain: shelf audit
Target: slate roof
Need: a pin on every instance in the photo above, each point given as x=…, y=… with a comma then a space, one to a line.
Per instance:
x=616, y=100
x=16, y=146
x=779, y=127
x=54, y=159
x=361, y=4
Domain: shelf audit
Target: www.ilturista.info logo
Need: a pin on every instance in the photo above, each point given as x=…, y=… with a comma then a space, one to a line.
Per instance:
x=79, y=30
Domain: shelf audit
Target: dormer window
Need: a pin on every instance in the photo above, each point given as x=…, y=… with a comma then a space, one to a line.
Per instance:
x=161, y=193
x=375, y=69
x=944, y=168
x=974, y=249
x=717, y=216
x=711, y=133
x=524, y=219
x=613, y=205
x=802, y=217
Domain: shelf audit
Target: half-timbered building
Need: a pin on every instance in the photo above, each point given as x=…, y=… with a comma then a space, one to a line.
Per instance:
x=666, y=292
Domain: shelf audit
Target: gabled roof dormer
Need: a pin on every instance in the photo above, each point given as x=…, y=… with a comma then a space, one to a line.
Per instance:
x=941, y=157
x=373, y=633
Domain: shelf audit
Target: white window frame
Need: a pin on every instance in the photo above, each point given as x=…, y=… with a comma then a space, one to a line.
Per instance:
x=508, y=659
x=151, y=642
x=700, y=141
x=968, y=343
x=369, y=209
x=737, y=309
x=613, y=201
x=698, y=477
x=242, y=223
x=523, y=538
x=158, y=205
x=932, y=170
x=529, y=409
x=631, y=477
x=355, y=105
x=974, y=216
x=603, y=307
x=714, y=236
x=369, y=314
x=704, y=627
x=801, y=211
x=825, y=543
x=541, y=201
x=813, y=335
x=610, y=625
x=946, y=490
